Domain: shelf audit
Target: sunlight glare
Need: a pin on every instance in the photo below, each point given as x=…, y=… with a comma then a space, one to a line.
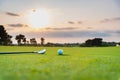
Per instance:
x=39, y=18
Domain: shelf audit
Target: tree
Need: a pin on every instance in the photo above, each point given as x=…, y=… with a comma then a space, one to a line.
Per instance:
x=9, y=41
x=94, y=42
x=33, y=41
x=88, y=43
x=5, y=38
x=27, y=42
x=19, y=38
x=42, y=41
x=97, y=42
x=24, y=40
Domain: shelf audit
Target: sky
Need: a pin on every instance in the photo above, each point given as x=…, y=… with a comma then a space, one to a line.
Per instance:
x=72, y=21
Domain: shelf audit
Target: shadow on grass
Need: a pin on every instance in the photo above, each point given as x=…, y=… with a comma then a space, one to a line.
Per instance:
x=64, y=55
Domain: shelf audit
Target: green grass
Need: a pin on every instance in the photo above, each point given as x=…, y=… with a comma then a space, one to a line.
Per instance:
x=97, y=63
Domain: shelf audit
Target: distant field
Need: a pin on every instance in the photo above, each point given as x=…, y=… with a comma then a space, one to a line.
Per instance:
x=77, y=63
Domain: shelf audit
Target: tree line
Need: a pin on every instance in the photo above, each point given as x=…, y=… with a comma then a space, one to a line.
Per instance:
x=5, y=39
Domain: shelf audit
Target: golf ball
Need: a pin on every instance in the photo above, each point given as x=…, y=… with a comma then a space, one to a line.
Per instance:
x=60, y=52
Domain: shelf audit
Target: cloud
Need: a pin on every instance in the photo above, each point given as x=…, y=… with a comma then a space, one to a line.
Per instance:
x=10, y=29
x=110, y=20
x=70, y=34
x=89, y=28
x=117, y=32
x=79, y=22
x=12, y=14
x=66, y=28
x=71, y=22
x=18, y=25
x=117, y=18
x=105, y=20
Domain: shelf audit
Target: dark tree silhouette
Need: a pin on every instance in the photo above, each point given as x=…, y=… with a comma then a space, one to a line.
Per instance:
x=19, y=38
x=33, y=41
x=5, y=38
x=97, y=42
x=27, y=42
x=42, y=41
x=94, y=42
x=9, y=41
x=24, y=40
x=88, y=43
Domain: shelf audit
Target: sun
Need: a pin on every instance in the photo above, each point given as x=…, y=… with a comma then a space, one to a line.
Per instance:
x=39, y=18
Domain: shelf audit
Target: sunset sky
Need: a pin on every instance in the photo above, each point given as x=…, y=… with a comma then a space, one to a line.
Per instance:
x=62, y=20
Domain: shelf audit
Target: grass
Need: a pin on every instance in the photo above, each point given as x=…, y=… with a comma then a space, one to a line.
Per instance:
x=97, y=63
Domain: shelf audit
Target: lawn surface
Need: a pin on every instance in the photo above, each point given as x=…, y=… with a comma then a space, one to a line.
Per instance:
x=97, y=63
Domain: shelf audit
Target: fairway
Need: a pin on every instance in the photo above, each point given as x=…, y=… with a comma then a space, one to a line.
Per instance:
x=77, y=63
